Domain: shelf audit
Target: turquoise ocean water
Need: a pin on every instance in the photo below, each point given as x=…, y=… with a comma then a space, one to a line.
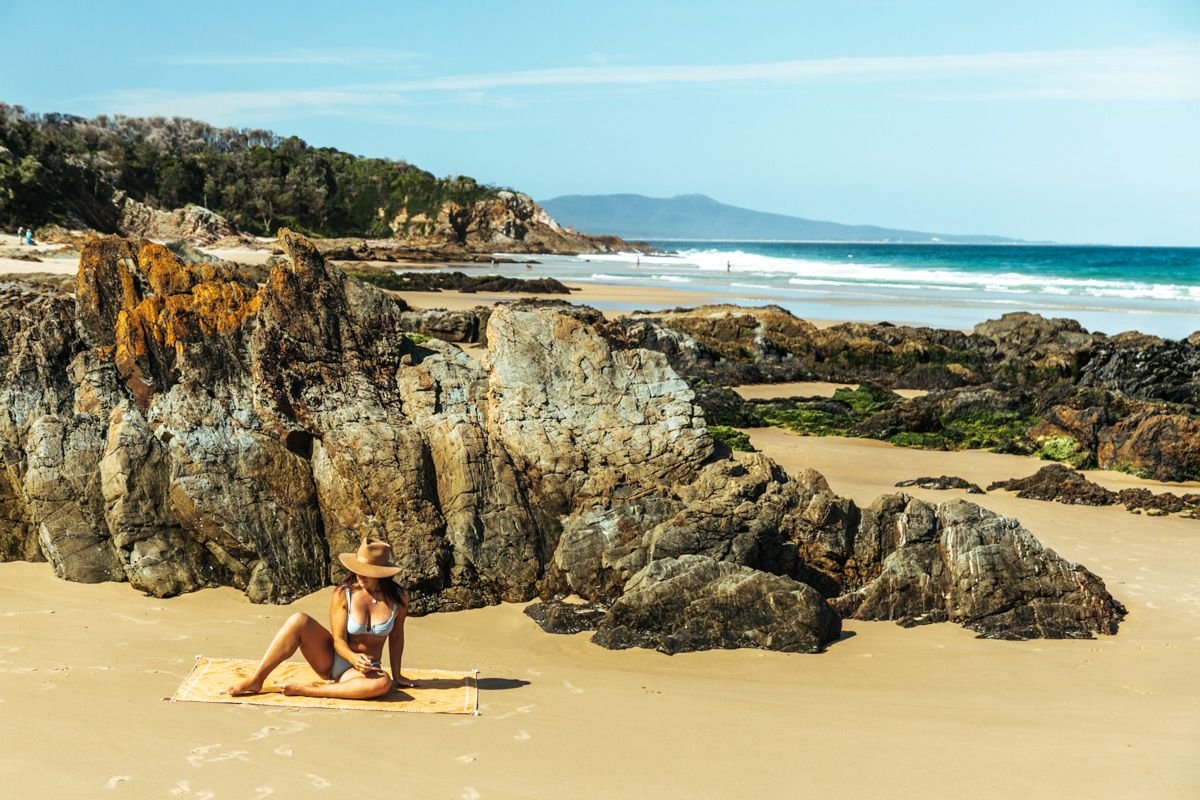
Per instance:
x=1111, y=289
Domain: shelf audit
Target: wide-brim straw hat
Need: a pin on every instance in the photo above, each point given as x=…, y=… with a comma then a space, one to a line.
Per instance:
x=373, y=560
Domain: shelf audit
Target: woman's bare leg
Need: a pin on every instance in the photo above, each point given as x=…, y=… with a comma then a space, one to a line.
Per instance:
x=353, y=686
x=299, y=631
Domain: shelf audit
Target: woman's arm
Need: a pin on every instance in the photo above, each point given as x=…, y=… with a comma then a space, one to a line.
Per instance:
x=396, y=647
x=338, y=616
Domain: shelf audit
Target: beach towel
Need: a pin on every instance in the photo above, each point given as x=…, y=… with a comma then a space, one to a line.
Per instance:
x=438, y=691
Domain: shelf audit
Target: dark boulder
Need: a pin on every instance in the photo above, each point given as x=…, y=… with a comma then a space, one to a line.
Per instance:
x=677, y=605
x=1059, y=483
x=941, y=482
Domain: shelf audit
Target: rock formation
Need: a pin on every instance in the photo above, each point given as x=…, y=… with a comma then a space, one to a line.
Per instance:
x=178, y=426
x=506, y=221
x=1019, y=384
x=194, y=223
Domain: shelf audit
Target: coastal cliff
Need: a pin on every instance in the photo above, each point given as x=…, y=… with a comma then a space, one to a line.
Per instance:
x=178, y=426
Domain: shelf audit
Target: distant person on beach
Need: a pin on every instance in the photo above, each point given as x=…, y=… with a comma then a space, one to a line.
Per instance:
x=728, y=266
x=29, y=236
x=367, y=609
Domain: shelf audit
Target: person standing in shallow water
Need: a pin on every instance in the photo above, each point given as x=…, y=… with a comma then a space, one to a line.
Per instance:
x=367, y=610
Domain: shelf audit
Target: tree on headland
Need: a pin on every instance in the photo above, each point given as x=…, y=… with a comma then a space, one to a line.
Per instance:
x=58, y=168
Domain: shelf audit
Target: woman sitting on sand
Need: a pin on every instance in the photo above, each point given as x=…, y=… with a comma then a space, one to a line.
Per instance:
x=367, y=609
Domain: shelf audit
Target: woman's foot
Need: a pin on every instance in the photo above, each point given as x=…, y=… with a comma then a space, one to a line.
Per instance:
x=296, y=689
x=248, y=686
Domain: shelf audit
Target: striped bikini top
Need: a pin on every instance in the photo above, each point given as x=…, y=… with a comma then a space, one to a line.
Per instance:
x=355, y=629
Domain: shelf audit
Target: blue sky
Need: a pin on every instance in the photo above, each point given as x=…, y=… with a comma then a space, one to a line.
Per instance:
x=1071, y=121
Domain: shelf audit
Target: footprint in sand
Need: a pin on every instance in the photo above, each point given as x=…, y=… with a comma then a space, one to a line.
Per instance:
x=522, y=736
x=1096, y=650
x=470, y=793
x=269, y=730
x=318, y=782
x=49, y=685
x=1145, y=692
x=263, y=791
x=572, y=688
x=135, y=620
x=239, y=755
x=467, y=758
x=198, y=754
x=532, y=671
x=283, y=750
x=181, y=789
x=116, y=780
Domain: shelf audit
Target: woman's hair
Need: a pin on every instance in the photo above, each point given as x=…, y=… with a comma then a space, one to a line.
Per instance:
x=393, y=590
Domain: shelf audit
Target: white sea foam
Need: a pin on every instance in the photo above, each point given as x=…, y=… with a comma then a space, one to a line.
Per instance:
x=810, y=272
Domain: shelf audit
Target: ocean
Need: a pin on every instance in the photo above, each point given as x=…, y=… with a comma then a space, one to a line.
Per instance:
x=1109, y=289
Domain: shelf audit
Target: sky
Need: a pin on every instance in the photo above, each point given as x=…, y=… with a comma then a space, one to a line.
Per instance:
x=1048, y=120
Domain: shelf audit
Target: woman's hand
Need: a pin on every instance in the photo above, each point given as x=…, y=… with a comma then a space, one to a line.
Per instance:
x=364, y=663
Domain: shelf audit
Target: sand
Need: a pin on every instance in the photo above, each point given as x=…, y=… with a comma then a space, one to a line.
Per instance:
x=885, y=712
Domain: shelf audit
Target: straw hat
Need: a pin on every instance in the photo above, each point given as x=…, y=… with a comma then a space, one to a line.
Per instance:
x=373, y=559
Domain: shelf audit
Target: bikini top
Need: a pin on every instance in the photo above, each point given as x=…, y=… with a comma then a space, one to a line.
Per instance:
x=355, y=629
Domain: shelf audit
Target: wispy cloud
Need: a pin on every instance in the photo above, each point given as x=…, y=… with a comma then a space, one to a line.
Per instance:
x=1157, y=74
x=349, y=58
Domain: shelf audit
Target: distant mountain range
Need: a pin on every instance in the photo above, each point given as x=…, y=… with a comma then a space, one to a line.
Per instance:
x=696, y=216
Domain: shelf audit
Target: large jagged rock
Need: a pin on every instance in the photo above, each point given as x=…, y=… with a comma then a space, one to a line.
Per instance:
x=190, y=222
x=693, y=602
x=177, y=425
x=968, y=565
x=505, y=221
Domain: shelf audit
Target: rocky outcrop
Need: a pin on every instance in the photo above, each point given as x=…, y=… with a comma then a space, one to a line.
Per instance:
x=191, y=222
x=696, y=603
x=178, y=425
x=1058, y=483
x=1064, y=485
x=503, y=221
x=430, y=281
x=1019, y=384
x=930, y=560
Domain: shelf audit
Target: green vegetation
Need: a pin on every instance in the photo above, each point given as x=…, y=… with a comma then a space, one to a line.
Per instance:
x=810, y=422
x=416, y=338
x=57, y=168
x=922, y=441
x=1003, y=430
x=866, y=399
x=1064, y=449
x=833, y=417
x=849, y=413
x=735, y=439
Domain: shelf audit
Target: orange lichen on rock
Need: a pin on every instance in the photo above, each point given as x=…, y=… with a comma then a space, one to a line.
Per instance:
x=143, y=308
x=163, y=270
